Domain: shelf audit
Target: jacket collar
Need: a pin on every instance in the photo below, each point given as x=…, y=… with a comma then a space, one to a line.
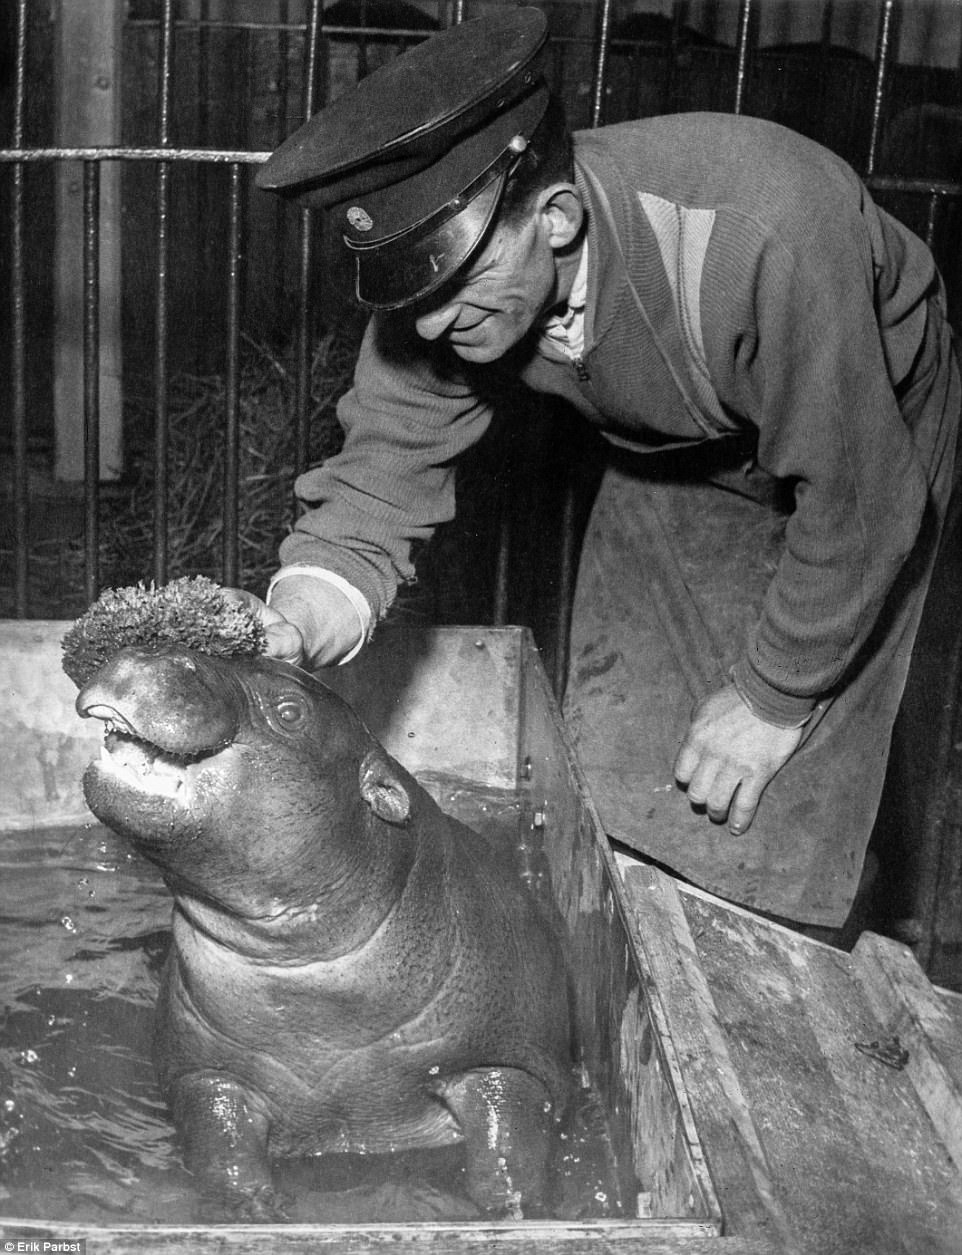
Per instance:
x=607, y=283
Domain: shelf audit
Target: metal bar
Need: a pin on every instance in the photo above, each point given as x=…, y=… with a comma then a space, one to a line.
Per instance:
x=360, y=46
x=219, y=156
x=302, y=391
x=397, y=33
x=206, y=242
x=21, y=503
x=230, y=544
x=28, y=156
x=601, y=64
x=678, y=13
x=91, y=391
x=283, y=78
x=203, y=76
x=883, y=53
x=161, y=403
x=161, y=411
x=930, y=220
x=566, y=593
x=294, y=28
x=917, y=186
x=741, y=75
x=824, y=60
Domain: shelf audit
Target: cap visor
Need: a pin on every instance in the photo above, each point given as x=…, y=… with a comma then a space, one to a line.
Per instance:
x=407, y=270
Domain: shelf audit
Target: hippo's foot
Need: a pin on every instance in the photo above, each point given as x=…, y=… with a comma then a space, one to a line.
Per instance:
x=506, y=1118
x=225, y=1134
x=260, y=1204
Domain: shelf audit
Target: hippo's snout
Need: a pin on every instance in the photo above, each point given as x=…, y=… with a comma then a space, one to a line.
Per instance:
x=167, y=717
x=127, y=757
x=165, y=699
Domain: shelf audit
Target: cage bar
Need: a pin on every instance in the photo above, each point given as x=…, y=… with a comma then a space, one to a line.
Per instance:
x=742, y=54
x=601, y=63
x=280, y=133
x=91, y=377
x=302, y=399
x=883, y=54
x=230, y=540
x=162, y=277
x=18, y=372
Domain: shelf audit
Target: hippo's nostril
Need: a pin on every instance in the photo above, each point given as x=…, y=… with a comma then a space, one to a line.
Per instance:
x=110, y=716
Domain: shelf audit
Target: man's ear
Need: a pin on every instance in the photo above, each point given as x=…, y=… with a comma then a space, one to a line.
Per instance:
x=563, y=213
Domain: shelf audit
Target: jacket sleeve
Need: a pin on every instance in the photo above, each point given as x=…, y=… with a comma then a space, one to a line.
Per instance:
x=806, y=355
x=408, y=415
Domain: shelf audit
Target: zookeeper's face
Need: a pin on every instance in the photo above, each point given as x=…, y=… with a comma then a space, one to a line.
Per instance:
x=500, y=295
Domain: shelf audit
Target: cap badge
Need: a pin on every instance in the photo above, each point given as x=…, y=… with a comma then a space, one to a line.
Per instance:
x=359, y=219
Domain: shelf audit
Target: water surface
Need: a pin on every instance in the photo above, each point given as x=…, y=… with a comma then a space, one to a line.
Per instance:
x=84, y=1131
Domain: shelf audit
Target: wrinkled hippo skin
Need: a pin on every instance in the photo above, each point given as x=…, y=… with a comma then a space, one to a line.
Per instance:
x=351, y=969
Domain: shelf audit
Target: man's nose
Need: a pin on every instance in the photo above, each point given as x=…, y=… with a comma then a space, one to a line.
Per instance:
x=435, y=322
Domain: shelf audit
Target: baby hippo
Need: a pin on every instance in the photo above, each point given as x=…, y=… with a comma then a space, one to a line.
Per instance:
x=351, y=969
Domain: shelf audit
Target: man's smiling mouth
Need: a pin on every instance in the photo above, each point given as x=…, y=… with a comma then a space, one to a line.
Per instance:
x=458, y=333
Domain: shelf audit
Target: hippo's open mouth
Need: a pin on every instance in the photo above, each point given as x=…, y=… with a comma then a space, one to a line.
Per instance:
x=136, y=763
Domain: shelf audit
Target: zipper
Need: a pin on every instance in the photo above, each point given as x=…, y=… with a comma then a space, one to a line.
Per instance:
x=582, y=369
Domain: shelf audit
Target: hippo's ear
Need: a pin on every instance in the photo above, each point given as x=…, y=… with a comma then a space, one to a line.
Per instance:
x=382, y=790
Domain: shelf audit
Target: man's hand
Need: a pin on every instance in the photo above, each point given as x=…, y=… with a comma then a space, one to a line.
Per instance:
x=729, y=756
x=284, y=639
x=309, y=622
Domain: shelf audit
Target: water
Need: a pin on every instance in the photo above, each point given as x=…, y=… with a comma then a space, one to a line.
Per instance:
x=84, y=1132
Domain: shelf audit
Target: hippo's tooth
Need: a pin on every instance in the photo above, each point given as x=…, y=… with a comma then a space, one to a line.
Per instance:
x=138, y=766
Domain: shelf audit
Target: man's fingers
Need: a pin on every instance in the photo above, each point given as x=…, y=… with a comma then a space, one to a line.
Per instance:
x=728, y=757
x=282, y=639
x=686, y=764
x=719, y=800
x=284, y=642
x=725, y=791
x=702, y=782
x=744, y=806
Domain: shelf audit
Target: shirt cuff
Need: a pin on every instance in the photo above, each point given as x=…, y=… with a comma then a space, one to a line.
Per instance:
x=357, y=599
x=780, y=709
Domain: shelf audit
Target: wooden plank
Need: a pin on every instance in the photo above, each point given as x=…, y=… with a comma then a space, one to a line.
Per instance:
x=856, y=1160
x=481, y=1239
x=620, y=1025
x=849, y=1152
x=736, y=1155
x=909, y=1008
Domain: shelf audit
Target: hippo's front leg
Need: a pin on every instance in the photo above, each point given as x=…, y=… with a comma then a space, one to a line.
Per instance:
x=224, y=1137
x=506, y=1117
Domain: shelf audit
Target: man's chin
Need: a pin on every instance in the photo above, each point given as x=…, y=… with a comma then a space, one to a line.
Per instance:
x=480, y=353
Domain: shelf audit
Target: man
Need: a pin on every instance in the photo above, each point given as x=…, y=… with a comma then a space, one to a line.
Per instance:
x=700, y=282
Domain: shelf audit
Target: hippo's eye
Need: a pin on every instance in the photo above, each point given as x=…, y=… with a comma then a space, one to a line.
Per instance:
x=290, y=712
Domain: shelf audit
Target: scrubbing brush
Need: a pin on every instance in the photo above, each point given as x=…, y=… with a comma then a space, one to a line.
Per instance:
x=192, y=611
